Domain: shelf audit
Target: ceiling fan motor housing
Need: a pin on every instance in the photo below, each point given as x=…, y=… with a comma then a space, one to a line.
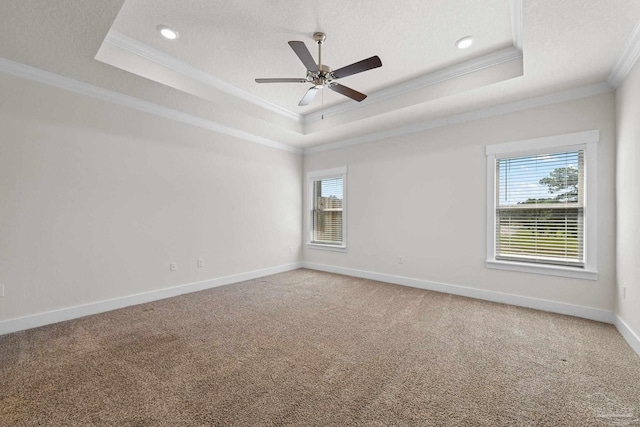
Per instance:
x=320, y=77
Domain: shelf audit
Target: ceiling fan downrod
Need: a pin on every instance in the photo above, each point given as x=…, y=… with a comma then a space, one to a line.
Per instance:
x=319, y=38
x=320, y=78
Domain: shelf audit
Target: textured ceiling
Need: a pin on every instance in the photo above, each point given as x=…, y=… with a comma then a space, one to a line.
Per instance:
x=238, y=41
x=566, y=44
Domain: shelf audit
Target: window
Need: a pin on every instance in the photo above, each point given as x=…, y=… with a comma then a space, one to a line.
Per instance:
x=327, y=213
x=541, y=205
x=540, y=208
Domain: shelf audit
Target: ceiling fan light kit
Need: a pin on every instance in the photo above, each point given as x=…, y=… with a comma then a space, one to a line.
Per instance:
x=321, y=76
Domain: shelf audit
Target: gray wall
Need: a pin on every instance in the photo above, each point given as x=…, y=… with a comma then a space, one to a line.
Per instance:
x=98, y=199
x=423, y=197
x=628, y=199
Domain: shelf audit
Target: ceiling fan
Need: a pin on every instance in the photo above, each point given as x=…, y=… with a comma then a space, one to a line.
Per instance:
x=321, y=76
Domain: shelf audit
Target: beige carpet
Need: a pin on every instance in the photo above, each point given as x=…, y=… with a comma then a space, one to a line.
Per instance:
x=309, y=348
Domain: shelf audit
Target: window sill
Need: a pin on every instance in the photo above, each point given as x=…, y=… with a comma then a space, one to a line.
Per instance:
x=549, y=270
x=327, y=247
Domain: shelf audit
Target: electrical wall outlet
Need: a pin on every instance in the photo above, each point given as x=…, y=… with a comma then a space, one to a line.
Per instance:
x=1, y=291
x=624, y=292
x=200, y=262
x=400, y=259
x=173, y=266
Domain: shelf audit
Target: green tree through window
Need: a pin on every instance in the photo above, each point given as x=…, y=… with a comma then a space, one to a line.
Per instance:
x=539, y=209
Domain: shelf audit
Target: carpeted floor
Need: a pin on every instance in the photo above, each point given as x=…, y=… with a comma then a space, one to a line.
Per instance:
x=310, y=348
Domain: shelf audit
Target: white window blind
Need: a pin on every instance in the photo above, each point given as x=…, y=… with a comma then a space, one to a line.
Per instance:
x=326, y=215
x=540, y=205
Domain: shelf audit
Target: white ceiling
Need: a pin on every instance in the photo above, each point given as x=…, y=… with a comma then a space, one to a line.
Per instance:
x=238, y=41
x=522, y=49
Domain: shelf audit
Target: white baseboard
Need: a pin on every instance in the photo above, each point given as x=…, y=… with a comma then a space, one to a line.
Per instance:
x=631, y=337
x=538, y=304
x=49, y=317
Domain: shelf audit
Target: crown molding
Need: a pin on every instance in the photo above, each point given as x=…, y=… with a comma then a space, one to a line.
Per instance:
x=133, y=46
x=628, y=57
x=128, y=44
x=459, y=70
x=516, y=22
x=482, y=113
x=56, y=80
x=490, y=60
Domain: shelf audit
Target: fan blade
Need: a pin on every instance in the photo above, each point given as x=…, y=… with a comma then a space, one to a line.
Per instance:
x=293, y=80
x=347, y=91
x=305, y=56
x=358, y=67
x=308, y=97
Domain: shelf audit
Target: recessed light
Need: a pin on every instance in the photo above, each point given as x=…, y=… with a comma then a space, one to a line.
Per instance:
x=167, y=33
x=464, y=42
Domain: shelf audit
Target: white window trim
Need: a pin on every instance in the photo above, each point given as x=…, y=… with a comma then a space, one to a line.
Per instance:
x=327, y=174
x=588, y=141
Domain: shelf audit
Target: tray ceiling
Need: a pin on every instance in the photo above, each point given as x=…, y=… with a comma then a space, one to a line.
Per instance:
x=239, y=41
x=522, y=50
